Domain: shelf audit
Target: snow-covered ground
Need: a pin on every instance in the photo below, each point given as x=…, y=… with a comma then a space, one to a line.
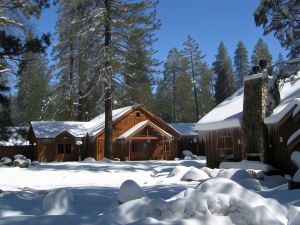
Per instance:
x=182, y=192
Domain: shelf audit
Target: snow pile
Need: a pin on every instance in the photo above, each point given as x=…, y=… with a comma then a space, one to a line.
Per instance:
x=295, y=157
x=89, y=160
x=6, y=161
x=129, y=190
x=294, y=216
x=19, y=156
x=195, y=174
x=234, y=174
x=246, y=165
x=250, y=184
x=179, y=171
x=188, y=155
x=59, y=202
x=215, y=201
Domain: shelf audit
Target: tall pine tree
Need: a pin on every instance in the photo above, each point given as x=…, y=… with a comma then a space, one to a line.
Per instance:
x=241, y=64
x=261, y=52
x=222, y=66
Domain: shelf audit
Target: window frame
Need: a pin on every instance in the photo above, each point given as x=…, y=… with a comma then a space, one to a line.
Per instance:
x=138, y=114
x=60, y=149
x=225, y=146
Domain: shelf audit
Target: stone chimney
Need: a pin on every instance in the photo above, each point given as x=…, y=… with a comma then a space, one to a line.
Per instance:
x=254, y=111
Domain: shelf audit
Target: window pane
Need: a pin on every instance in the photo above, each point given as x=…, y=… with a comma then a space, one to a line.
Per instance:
x=221, y=155
x=60, y=149
x=221, y=142
x=68, y=148
x=229, y=154
x=229, y=142
x=134, y=147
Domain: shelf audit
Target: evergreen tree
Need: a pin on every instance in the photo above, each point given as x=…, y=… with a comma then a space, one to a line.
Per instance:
x=206, y=100
x=241, y=64
x=33, y=98
x=222, y=66
x=261, y=52
x=167, y=97
x=194, y=58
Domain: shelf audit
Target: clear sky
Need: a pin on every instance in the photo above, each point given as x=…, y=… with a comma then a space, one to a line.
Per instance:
x=207, y=21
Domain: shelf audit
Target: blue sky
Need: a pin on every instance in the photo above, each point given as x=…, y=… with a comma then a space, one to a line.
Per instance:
x=207, y=21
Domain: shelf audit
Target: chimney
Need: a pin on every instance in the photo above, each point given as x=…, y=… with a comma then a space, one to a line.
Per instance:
x=254, y=111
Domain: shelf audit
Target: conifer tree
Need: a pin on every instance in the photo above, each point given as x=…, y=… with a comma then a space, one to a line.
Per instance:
x=222, y=66
x=194, y=58
x=241, y=64
x=261, y=52
x=206, y=99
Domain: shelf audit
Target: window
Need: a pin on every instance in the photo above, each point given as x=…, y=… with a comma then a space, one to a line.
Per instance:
x=139, y=146
x=60, y=149
x=167, y=146
x=138, y=114
x=68, y=148
x=225, y=148
x=135, y=147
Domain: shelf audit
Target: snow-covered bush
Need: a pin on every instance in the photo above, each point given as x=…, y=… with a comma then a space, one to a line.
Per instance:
x=130, y=190
x=195, y=174
x=19, y=156
x=59, y=202
x=234, y=174
x=294, y=216
x=187, y=153
x=179, y=171
x=89, y=160
x=22, y=163
x=6, y=161
x=295, y=157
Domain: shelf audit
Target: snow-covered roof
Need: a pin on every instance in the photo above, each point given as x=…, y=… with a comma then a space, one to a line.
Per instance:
x=293, y=137
x=50, y=129
x=185, y=129
x=229, y=113
x=140, y=125
x=225, y=115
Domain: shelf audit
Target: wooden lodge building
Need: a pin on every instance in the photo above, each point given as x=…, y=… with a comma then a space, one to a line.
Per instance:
x=137, y=135
x=238, y=128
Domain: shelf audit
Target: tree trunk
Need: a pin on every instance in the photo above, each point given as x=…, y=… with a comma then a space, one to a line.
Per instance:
x=108, y=152
x=71, y=77
x=174, y=96
x=194, y=84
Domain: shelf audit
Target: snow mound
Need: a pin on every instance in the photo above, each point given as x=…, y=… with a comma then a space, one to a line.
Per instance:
x=89, y=160
x=6, y=161
x=234, y=174
x=247, y=165
x=215, y=172
x=59, y=202
x=215, y=201
x=19, y=156
x=187, y=153
x=294, y=216
x=129, y=190
x=250, y=184
x=22, y=163
x=179, y=171
x=295, y=157
x=296, y=177
x=195, y=174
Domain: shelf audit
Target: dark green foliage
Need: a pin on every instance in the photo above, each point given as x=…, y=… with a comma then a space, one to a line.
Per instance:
x=241, y=64
x=222, y=66
x=261, y=52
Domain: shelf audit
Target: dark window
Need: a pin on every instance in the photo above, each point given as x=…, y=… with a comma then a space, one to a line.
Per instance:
x=60, y=149
x=134, y=146
x=138, y=114
x=68, y=148
x=225, y=148
x=139, y=146
x=167, y=146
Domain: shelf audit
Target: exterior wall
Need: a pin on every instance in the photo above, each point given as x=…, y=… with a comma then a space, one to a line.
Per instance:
x=209, y=140
x=121, y=148
x=254, y=111
x=280, y=155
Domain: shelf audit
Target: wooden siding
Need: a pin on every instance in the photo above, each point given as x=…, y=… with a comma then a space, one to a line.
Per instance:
x=279, y=154
x=10, y=151
x=209, y=140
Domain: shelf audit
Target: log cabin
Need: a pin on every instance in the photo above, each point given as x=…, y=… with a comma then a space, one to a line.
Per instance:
x=239, y=128
x=137, y=135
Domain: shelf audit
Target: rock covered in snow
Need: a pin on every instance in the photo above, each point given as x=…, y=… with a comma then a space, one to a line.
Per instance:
x=295, y=157
x=19, y=156
x=296, y=177
x=89, y=160
x=6, y=161
x=195, y=174
x=187, y=153
x=250, y=184
x=234, y=174
x=130, y=190
x=22, y=163
x=59, y=202
x=215, y=172
x=179, y=171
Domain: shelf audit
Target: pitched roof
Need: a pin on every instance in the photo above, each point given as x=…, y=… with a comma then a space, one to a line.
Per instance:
x=185, y=129
x=229, y=113
x=133, y=130
x=50, y=129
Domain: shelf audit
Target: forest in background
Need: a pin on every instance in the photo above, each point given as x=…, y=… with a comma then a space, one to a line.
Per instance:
x=73, y=87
